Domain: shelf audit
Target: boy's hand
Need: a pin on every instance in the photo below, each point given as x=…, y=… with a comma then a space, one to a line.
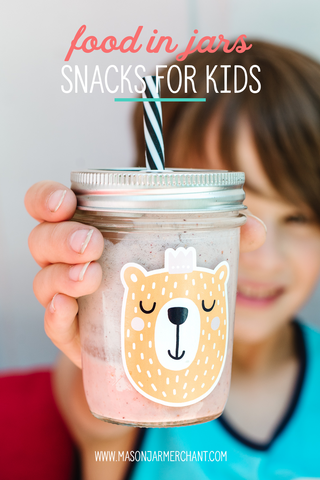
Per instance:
x=66, y=252
x=63, y=249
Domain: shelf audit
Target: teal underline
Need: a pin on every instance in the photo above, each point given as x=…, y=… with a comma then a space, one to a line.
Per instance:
x=160, y=99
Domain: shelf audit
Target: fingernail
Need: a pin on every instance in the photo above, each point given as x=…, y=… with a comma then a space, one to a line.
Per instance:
x=56, y=199
x=77, y=272
x=79, y=240
x=249, y=214
x=52, y=306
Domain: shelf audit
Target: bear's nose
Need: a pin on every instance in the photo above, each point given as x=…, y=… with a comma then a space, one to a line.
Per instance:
x=177, y=315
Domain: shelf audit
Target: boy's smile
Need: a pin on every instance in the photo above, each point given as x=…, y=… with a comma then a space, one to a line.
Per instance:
x=257, y=295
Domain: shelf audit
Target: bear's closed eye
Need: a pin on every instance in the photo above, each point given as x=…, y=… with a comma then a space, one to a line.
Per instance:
x=207, y=309
x=147, y=311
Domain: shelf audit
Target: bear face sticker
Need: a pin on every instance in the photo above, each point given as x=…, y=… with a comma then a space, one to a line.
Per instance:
x=174, y=328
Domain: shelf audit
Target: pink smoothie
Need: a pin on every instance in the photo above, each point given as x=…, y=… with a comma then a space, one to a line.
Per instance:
x=111, y=396
x=109, y=393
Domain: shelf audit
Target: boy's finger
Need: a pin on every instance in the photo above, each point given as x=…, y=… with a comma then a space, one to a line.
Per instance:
x=253, y=233
x=65, y=242
x=50, y=201
x=74, y=281
x=61, y=326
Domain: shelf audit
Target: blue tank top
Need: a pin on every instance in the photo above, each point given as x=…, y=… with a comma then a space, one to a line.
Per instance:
x=214, y=450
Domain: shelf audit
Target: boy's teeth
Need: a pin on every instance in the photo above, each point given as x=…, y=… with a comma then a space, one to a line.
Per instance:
x=256, y=292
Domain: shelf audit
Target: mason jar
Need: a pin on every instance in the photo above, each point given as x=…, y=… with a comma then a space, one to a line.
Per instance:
x=157, y=335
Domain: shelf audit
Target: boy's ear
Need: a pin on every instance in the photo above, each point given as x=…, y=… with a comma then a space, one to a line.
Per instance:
x=133, y=276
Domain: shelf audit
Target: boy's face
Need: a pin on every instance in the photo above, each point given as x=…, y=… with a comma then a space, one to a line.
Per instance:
x=277, y=279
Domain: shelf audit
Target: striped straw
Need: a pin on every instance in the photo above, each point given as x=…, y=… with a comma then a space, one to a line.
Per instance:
x=153, y=126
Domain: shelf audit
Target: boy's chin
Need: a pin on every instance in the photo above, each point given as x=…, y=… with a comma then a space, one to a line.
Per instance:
x=253, y=331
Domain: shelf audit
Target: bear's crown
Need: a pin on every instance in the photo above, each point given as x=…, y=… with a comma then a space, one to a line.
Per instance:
x=181, y=260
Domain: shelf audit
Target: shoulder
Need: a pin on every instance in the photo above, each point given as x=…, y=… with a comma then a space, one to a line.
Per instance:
x=311, y=336
x=33, y=428
x=27, y=393
x=310, y=382
x=16, y=380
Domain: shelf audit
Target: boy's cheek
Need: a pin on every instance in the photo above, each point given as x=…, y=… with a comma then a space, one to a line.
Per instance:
x=306, y=271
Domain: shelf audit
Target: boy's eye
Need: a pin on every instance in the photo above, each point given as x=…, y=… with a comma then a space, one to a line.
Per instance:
x=208, y=309
x=298, y=218
x=147, y=311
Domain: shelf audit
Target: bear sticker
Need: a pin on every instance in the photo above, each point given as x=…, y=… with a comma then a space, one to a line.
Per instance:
x=175, y=328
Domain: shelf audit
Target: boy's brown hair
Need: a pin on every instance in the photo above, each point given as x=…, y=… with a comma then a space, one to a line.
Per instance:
x=284, y=117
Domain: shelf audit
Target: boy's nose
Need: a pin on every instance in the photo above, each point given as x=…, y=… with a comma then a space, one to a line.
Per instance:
x=177, y=315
